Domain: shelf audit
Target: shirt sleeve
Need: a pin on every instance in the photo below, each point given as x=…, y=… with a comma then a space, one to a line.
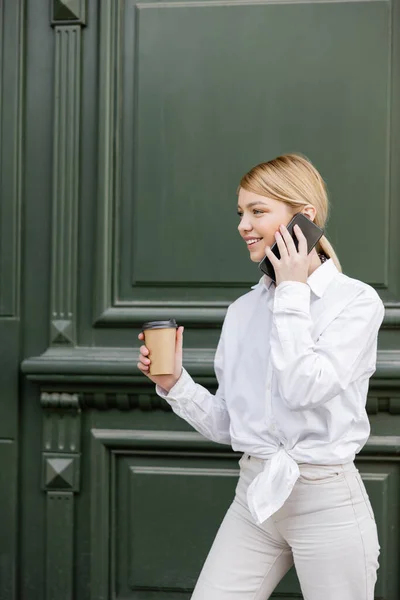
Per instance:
x=206, y=412
x=311, y=373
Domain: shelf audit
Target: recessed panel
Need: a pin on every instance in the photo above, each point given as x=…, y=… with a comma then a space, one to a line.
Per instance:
x=381, y=484
x=241, y=84
x=168, y=512
x=169, y=508
x=177, y=535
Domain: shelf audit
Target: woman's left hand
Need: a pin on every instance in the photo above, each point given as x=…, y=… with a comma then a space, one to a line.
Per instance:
x=293, y=264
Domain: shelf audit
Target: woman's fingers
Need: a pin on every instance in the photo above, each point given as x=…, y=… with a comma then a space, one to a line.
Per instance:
x=274, y=260
x=281, y=245
x=179, y=339
x=290, y=245
x=144, y=362
x=144, y=350
x=142, y=367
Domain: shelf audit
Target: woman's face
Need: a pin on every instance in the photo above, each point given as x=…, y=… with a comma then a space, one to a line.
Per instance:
x=260, y=218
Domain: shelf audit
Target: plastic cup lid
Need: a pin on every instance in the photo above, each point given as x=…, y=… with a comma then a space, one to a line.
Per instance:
x=170, y=323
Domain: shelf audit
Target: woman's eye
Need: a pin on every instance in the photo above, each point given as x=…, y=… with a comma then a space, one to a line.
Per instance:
x=255, y=211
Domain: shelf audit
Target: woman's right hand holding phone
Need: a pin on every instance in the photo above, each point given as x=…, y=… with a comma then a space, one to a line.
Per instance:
x=166, y=382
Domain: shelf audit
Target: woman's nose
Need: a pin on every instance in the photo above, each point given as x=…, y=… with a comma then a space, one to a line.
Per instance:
x=244, y=225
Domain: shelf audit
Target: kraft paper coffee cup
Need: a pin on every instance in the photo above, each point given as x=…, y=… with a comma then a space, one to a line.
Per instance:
x=160, y=338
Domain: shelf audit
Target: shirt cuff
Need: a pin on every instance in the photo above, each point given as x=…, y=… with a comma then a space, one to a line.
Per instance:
x=292, y=296
x=184, y=389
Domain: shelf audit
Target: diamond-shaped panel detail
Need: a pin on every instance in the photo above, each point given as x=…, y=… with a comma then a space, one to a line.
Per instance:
x=62, y=332
x=72, y=11
x=59, y=473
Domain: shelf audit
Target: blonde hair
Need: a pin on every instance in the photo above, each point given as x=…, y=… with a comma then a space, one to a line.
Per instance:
x=293, y=179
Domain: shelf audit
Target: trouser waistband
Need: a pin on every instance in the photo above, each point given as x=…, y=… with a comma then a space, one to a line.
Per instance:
x=347, y=466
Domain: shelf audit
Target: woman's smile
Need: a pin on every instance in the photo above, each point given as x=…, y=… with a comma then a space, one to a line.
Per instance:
x=252, y=242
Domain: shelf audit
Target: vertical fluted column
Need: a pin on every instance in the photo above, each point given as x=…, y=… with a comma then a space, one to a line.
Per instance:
x=68, y=18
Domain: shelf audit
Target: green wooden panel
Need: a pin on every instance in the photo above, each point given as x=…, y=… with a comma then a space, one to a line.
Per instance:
x=9, y=356
x=382, y=484
x=306, y=94
x=11, y=73
x=10, y=154
x=10, y=214
x=216, y=104
x=8, y=512
x=186, y=120
x=149, y=545
x=160, y=492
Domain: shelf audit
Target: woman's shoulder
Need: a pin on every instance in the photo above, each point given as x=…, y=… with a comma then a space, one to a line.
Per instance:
x=245, y=300
x=358, y=292
x=356, y=285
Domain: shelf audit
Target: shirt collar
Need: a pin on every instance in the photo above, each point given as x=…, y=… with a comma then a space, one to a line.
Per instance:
x=318, y=280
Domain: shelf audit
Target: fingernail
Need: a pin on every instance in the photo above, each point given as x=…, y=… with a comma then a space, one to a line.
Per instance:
x=282, y=227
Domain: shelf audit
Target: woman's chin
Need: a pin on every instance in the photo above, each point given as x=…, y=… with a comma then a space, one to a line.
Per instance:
x=256, y=256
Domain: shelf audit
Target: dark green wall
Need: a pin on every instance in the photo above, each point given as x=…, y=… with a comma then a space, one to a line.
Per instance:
x=125, y=128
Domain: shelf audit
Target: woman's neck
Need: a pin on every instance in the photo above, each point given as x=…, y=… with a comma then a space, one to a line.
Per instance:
x=315, y=261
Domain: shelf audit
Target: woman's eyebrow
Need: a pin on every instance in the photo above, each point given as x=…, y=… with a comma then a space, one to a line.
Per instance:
x=250, y=204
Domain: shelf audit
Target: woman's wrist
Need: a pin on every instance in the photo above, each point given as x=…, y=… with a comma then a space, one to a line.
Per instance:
x=168, y=387
x=170, y=383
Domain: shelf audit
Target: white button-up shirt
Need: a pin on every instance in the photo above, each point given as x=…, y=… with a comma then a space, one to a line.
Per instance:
x=293, y=365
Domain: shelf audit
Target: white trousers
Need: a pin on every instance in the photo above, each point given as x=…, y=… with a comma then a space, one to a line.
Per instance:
x=326, y=528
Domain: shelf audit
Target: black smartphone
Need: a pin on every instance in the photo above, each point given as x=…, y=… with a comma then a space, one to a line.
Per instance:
x=311, y=231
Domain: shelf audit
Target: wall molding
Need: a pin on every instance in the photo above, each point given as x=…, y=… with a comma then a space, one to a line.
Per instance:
x=125, y=399
x=65, y=12
x=100, y=380
x=392, y=316
x=144, y=440
x=109, y=37
x=193, y=314
x=118, y=366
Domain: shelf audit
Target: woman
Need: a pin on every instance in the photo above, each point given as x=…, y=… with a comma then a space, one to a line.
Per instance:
x=293, y=365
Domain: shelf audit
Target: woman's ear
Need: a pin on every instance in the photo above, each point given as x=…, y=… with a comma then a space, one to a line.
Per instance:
x=309, y=212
